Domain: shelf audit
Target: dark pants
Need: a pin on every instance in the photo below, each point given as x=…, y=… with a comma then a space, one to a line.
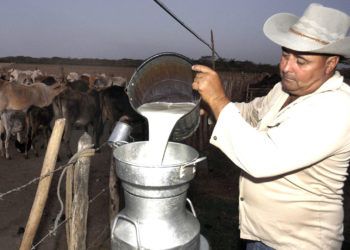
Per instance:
x=257, y=245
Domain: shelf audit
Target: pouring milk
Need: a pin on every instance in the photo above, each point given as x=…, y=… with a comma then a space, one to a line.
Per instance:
x=162, y=117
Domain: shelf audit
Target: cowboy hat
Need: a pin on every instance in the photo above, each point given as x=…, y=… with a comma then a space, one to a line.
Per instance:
x=320, y=30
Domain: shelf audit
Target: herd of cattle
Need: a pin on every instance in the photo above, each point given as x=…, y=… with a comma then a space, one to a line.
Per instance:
x=30, y=101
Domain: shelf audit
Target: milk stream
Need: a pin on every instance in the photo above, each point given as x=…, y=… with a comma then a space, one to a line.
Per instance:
x=162, y=118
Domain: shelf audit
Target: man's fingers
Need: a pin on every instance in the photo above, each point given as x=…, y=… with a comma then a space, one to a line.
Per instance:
x=198, y=77
x=201, y=68
x=195, y=85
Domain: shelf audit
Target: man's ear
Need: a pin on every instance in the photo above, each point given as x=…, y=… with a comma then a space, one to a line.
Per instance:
x=331, y=63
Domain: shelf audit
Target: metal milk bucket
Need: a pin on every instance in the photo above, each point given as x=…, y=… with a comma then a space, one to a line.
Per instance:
x=166, y=77
x=155, y=214
x=120, y=134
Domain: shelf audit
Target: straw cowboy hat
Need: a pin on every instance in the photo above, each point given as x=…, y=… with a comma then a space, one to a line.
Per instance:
x=320, y=30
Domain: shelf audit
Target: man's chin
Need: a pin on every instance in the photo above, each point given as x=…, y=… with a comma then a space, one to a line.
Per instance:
x=287, y=89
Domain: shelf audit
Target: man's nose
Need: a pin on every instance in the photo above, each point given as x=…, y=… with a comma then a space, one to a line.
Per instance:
x=286, y=65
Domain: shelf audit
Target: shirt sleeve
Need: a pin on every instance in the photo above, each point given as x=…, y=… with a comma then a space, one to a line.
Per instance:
x=253, y=110
x=310, y=134
x=250, y=111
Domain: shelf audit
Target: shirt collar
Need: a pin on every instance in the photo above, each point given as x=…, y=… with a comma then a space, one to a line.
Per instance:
x=332, y=83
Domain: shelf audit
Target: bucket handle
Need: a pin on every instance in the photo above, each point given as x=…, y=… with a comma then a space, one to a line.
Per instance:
x=193, y=163
x=135, y=224
x=191, y=206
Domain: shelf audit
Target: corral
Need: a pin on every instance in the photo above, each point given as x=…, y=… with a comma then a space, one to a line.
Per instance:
x=213, y=192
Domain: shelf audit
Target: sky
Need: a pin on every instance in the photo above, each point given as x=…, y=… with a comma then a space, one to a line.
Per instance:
x=138, y=29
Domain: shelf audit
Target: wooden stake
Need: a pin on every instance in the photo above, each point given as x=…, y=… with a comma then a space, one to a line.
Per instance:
x=69, y=201
x=80, y=203
x=44, y=185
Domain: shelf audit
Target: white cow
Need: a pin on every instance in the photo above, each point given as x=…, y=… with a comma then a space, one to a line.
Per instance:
x=24, y=76
x=72, y=76
x=102, y=83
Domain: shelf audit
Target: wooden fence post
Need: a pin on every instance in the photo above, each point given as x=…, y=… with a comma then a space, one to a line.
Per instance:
x=80, y=202
x=44, y=185
x=69, y=202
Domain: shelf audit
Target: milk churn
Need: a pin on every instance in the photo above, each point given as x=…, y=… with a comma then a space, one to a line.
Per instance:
x=155, y=214
x=166, y=77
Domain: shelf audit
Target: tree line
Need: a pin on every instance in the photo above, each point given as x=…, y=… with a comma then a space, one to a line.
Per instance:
x=220, y=64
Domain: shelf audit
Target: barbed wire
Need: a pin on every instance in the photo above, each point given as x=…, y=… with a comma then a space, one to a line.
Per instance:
x=82, y=153
x=98, y=238
x=17, y=189
x=88, y=151
x=55, y=228
x=85, y=152
x=97, y=195
x=51, y=232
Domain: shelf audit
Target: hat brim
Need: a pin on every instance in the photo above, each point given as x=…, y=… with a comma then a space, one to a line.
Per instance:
x=277, y=29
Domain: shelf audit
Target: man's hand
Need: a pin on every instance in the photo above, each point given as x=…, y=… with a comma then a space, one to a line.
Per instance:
x=207, y=82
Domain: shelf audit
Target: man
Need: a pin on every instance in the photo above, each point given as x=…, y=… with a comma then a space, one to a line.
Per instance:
x=293, y=145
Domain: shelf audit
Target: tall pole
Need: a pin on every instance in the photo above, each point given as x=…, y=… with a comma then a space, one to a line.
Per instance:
x=212, y=49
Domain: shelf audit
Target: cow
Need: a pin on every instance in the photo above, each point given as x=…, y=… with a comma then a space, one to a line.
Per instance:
x=12, y=123
x=102, y=83
x=39, y=120
x=47, y=79
x=81, y=110
x=79, y=85
x=72, y=76
x=115, y=106
x=21, y=97
x=24, y=76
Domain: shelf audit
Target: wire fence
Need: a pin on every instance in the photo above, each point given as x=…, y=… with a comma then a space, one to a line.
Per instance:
x=83, y=153
x=86, y=152
x=58, y=226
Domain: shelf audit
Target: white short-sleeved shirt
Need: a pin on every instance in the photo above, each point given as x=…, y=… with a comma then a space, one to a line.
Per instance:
x=294, y=164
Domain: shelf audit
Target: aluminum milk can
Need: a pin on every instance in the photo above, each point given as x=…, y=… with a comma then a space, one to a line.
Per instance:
x=155, y=214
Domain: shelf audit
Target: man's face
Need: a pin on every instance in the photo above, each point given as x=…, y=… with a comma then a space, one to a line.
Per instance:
x=303, y=73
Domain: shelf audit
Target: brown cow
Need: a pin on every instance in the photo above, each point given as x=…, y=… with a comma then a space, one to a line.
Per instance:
x=21, y=97
x=115, y=106
x=80, y=109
